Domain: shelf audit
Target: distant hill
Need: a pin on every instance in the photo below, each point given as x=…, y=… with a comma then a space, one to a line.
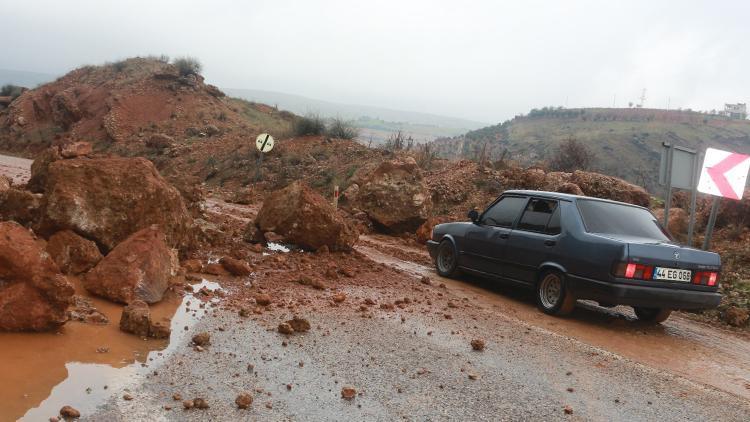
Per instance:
x=24, y=78
x=376, y=123
x=627, y=142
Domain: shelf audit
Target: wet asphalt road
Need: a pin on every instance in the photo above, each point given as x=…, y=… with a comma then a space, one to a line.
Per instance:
x=403, y=373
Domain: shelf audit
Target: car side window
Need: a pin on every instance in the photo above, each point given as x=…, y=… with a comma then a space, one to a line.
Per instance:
x=504, y=212
x=553, y=227
x=538, y=215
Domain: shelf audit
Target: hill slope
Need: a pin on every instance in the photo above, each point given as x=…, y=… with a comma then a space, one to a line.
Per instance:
x=627, y=142
x=376, y=123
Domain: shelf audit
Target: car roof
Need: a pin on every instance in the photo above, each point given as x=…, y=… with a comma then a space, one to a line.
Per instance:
x=564, y=196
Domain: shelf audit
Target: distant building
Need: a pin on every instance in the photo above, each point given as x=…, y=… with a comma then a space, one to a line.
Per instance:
x=735, y=111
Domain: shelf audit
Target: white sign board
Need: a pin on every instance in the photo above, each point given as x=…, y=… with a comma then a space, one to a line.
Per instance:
x=264, y=142
x=724, y=173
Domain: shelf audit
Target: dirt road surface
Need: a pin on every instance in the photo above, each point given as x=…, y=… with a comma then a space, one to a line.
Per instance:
x=412, y=359
x=18, y=169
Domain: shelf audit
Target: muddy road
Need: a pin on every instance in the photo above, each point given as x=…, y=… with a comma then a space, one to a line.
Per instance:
x=401, y=340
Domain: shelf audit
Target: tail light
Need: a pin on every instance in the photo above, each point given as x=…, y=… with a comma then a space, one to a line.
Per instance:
x=708, y=278
x=634, y=271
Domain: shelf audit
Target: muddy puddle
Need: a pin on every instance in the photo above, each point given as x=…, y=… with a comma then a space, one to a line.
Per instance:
x=696, y=351
x=84, y=364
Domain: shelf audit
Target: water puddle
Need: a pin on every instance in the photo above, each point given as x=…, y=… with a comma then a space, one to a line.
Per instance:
x=83, y=364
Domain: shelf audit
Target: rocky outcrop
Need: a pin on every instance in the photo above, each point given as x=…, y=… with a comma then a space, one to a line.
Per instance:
x=159, y=141
x=394, y=196
x=108, y=199
x=72, y=253
x=34, y=295
x=139, y=268
x=305, y=218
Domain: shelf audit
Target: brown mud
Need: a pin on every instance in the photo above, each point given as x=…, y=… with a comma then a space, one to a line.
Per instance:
x=80, y=363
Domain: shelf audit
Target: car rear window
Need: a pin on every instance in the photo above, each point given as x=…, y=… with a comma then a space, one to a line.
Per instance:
x=618, y=219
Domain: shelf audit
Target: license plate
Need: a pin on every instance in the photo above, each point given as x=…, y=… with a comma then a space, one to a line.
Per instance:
x=672, y=274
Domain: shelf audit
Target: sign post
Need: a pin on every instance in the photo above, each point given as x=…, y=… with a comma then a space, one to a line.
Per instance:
x=679, y=169
x=264, y=143
x=723, y=175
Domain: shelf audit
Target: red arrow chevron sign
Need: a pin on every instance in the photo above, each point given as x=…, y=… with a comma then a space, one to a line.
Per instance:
x=724, y=173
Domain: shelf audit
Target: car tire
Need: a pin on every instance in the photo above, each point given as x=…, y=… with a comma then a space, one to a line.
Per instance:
x=552, y=294
x=446, y=259
x=652, y=315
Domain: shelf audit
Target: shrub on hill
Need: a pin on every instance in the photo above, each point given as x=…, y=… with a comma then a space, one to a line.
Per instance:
x=572, y=155
x=341, y=129
x=9, y=90
x=188, y=66
x=310, y=124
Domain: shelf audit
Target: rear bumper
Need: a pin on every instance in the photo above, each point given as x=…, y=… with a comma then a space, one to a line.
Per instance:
x=432, y=247
x=643, y=296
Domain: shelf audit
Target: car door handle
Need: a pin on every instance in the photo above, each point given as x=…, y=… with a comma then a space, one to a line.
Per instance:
x=504, y=235
x=549, y=243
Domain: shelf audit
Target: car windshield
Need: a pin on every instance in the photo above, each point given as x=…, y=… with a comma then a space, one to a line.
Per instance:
x=618, y=219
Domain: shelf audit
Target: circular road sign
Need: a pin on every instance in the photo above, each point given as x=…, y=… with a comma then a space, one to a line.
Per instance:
x=264, y=142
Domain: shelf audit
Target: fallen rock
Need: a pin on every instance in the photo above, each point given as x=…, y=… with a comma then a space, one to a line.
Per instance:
x=477, y=344
x=141, y=267
x=394, y=196
x=736, y=316
x=76, y=149
x=202, y=339
x=192, y=265
x=72, y=253
x=136, y=319
x=424, y=232
x=348, y=393
x=68, y=412
x=306, y=219
x=40, y=168
x=263, y=299
x=83, y=310
x=20, y=205
x=339, y=297
x=215, y=269
x=299, y=325
x=235, y=267
x=244, y=400
x=608, y=187
x=200, y=403
x=285, y=328
x=678, y=220
x=34, y=295
x=109, y=199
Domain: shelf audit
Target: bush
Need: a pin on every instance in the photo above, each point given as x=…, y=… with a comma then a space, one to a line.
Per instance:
x=188, y=66
x=572, y=155
x=310, y=124
x=13, y=91
x=119, y=66
x=341, y=129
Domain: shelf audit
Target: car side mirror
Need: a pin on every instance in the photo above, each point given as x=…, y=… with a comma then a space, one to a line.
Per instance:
x=473, y=216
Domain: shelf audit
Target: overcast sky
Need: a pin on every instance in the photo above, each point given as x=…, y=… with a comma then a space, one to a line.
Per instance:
x=480, y=60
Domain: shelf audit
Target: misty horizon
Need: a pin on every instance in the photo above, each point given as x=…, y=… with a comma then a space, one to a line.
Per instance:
x=486, y=62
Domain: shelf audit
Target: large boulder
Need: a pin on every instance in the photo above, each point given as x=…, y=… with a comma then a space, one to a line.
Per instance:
x=34, y=295
x=305, y=218
x=394, y=196
x=72, y=253
x=141, y=267
x=608, y=187
x=108, y=199
x=424, y=232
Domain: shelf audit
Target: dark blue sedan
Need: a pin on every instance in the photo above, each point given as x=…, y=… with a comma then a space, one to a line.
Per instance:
x=569, y=247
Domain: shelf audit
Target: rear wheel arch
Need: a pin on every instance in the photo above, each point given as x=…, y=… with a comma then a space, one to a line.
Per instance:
x=549, y=266
x=565, y=302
